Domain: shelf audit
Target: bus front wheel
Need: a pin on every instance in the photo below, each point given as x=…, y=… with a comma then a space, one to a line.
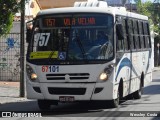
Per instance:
x=115, y=102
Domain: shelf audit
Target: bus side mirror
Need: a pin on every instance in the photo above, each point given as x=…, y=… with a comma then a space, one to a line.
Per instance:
x=29, y=26
x=119, y=31
x=28, y=35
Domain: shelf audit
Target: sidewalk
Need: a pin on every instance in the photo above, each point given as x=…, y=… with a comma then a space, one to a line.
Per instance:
x=9, y=84
x=9, y=91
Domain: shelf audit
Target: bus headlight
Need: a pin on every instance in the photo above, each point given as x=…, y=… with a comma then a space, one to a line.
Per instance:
x=30, y=73
x=33, y=76
x=103, y=76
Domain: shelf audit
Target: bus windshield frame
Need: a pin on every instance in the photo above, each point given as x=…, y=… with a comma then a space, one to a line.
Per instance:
x=78, y=38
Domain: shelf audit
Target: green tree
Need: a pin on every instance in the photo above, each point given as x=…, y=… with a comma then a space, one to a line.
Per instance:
x=152, y=10
x=145, y=9
x=156, y=16
x=8, y=8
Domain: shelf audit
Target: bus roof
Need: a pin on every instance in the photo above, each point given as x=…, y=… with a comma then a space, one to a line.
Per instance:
x=93, y=9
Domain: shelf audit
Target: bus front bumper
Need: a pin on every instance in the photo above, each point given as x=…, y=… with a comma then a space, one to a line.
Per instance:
x=78, y=91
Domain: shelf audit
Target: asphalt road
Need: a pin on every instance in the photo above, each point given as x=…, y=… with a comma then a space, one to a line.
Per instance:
x=148, y=107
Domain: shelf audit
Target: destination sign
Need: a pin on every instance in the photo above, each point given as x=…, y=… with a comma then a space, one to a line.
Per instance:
x=75, y=21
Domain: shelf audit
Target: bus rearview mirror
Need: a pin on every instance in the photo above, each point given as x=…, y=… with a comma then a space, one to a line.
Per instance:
x=29, y=26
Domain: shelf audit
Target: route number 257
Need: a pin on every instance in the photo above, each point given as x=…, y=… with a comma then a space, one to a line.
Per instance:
x=41, y=39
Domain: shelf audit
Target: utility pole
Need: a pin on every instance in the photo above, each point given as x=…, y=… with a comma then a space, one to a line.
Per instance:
x=158, y=54
x=130, y=5
x=22, y=50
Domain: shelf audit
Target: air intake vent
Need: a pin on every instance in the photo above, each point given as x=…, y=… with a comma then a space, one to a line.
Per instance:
x=70, y=76
x=67, y=91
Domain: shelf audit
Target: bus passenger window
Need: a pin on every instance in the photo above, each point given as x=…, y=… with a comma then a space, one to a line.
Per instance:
x=127, y=34
x=120, y=36
x=141, y=34
x=149, y=38
x=120, y=45
x=126, y=42
x=136, y=38
x=130, y=34
x=146, y=35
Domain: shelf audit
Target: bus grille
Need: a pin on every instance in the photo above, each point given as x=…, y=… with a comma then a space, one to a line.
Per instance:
x=67, y=91
x=70, y=76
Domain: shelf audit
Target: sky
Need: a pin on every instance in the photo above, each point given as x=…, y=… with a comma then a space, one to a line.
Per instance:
x=148, y=0
x=27, y=10
x=142, y=0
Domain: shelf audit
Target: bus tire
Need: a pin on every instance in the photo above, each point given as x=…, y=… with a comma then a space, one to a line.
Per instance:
x=115, y=102
x=137, y=94
x=121, y=89
x=44, y=104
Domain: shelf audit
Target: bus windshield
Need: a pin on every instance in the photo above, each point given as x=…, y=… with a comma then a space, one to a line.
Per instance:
x=72, y=37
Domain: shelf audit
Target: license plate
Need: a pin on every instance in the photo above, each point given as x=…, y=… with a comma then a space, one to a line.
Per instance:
x=66, y=98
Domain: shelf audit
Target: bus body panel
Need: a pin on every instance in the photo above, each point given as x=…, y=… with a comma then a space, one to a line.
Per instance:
x=130, y=70
x=90, y=85
x=109, y=10
x=89, y=95
x=69, y=73
x=31, y=93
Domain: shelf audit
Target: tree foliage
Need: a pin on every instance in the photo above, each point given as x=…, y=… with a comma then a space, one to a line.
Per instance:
x=8, y=8
x=152, y=10
x=156, y=17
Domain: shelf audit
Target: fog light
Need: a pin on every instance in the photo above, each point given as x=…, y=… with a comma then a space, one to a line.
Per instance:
x=103, y=76
x=33, y=76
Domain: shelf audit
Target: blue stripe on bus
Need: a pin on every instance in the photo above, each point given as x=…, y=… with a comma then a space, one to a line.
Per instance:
x=124, y=62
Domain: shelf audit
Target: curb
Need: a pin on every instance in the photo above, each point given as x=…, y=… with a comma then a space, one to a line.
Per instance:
x=156, y=69
x=9, y=84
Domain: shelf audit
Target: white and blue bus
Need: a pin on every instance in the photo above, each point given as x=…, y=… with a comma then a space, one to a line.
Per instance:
x=89, y=52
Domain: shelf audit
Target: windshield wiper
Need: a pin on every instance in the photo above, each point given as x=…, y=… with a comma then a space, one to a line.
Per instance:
x=81, y=47
x=51, y=54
